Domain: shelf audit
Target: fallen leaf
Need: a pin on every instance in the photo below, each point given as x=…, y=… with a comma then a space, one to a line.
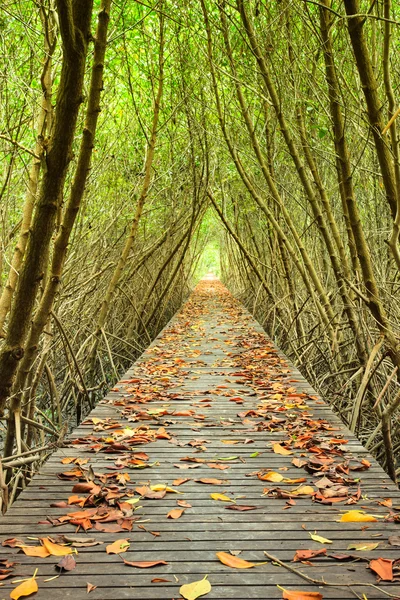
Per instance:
x=56, y=549
x=211, y=481
x=356, y=516
x=90, y=587
x=38, y=551
x=304, y=490
x=383, y=567
x=175, y=513
x=278, y=449
x=183, y=503
x=163, y=488
x=145, y=564
x=12, y=542
x=240, y=507
x=221, y=497
x=394, y=540
x=297, y=462
x=180, y=481
x=26, y=588
x=271, y=476
x=363, y=546
x=160, y=580
x=297, y=595
x=308, y=554
x=67, y=563
x=118, y=547
x=319, y=538
x=194, y=590
x=234, y=562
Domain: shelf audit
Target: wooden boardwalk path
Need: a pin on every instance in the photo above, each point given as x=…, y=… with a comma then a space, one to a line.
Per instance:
x=212, y=402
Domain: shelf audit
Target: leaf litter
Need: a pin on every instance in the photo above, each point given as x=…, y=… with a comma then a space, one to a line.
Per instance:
x=112, y=501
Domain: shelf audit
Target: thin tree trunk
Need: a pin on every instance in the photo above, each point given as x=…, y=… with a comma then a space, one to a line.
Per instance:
x=42, y=128
x=74, y=21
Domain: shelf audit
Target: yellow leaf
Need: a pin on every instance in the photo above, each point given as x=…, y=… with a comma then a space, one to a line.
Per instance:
x=132, y=500
x=160, y=487
x=363, y=546
x=278, y=449
x=26, y=588
x=221, y=497
x=356, y=516
x=118, y=547
x=271, y=476
x=304, y=490
x=56, y=549
x=319, y=538
x=194, y=590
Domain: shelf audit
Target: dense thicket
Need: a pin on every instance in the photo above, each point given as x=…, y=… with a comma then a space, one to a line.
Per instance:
x=139, y=142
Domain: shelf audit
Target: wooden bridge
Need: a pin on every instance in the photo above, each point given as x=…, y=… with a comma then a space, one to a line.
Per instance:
x=215, y=457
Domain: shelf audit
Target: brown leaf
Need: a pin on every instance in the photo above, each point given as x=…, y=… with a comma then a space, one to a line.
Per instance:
x=211, y=481
x=146, y=492
x=90, y=587
x=12, y=542
x=240, y=507
x=67, y=563
x=394, y=540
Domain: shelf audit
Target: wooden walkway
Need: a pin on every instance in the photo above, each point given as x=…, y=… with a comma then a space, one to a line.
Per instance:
x=212, y=407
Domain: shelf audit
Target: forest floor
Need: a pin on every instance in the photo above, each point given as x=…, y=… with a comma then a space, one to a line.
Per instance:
x=211, y=457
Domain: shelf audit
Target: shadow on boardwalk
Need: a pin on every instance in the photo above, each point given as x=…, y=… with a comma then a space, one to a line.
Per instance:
x=255, y=463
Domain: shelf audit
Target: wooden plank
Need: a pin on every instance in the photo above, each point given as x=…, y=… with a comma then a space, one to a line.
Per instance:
x=209, y=353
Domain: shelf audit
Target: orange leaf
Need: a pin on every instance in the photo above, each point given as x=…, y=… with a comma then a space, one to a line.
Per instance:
x=177, y=482
x=308, y=554
x=56, y=549
x=26, y=588
x=271, y=476
x=118, y=547
x=356, y=516
x=297, y=595
x=145, y=564
x=38, y=551
x=90, y=587
x=175, y=513
x=234, y=562
x=383, y=567
x=278, y=449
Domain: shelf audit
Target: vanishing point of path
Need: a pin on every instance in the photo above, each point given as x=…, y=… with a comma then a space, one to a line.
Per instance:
x=213, y=411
